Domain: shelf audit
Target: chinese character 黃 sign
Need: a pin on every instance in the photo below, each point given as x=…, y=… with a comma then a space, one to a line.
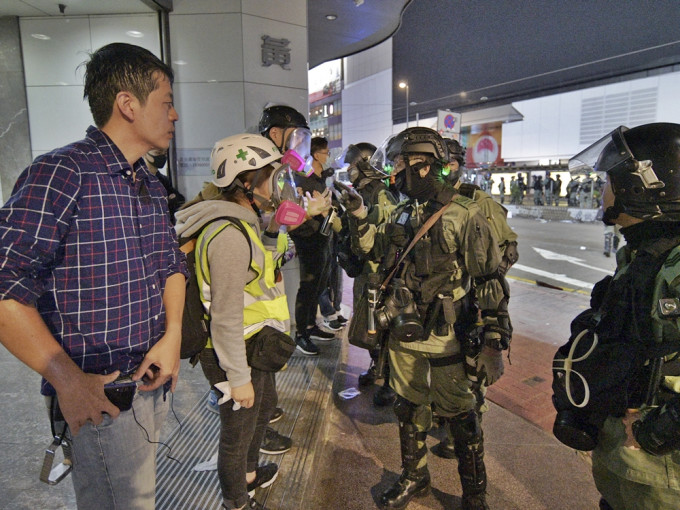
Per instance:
x=275, y=51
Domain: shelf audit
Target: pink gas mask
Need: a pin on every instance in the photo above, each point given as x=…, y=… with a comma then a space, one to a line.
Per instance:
x=289, y=205
x=297, y=156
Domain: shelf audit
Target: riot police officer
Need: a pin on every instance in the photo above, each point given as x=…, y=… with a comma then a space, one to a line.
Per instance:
x=496, y=215
x=428, y=342
x=369, y=181
x=631, y=414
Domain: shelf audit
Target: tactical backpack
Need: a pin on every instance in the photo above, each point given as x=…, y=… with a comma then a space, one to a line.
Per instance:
x=195, y=321
x=610, y=363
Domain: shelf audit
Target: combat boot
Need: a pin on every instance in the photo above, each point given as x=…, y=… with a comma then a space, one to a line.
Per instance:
x=472, y=475
x=367, y=378
x=385, y=396
x=468, y=441
x=415, y=478
x=411, y=484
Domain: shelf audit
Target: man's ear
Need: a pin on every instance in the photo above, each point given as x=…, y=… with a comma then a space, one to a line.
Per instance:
x=126, y=104
x=276, y=135
x=424, y=171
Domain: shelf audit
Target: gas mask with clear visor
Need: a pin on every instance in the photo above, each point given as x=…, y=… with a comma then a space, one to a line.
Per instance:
x=297, y=154
x=289, y=205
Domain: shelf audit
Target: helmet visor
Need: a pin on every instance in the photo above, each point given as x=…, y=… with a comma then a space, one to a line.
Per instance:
x=300, y=141
x=621, y=158
x=585, y=161
x=339, y=163
x=384, y=160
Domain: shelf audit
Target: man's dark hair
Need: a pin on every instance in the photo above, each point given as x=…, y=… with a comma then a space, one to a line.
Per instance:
x=117, y=67
x=318, y=143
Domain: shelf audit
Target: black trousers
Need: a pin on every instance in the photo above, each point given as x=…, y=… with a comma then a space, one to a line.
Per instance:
x=241, y=431
x=314, y=254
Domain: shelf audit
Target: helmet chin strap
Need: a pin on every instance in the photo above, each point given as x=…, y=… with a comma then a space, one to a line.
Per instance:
x=264, y=201
x=611, y=213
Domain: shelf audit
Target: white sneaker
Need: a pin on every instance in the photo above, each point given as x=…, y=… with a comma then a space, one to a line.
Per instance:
x=330, y=323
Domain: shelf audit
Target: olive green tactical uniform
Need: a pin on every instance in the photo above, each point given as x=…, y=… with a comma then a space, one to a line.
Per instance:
x=379, y=212
x=630, y=478
x=381, y=203
x=496, y=215
x=432, y=370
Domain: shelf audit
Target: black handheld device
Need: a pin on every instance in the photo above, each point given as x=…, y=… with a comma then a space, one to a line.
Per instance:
x=121, y=392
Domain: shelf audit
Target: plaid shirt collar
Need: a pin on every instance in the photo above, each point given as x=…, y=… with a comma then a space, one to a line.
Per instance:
x=116, y=162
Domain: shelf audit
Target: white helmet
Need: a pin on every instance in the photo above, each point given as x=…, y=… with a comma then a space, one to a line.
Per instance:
x=240, y=153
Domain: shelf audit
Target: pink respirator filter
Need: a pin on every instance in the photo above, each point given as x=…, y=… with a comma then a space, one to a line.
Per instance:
x=290, y=213
x=293, y=159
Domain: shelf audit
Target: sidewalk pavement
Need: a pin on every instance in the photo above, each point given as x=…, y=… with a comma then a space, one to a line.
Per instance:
x=528, y=469
x=540, y=319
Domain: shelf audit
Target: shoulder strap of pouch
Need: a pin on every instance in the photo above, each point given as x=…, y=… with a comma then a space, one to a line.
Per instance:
x=423, y=230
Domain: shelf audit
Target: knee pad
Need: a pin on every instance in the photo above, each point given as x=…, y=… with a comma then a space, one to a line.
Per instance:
x=405, y=410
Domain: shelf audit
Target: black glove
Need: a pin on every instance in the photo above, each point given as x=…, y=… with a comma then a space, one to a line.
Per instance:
x=659, y=431
x=497, y=330
x=351, y=200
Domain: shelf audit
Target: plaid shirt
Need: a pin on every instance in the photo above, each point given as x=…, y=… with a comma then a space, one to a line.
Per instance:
x=92, y=250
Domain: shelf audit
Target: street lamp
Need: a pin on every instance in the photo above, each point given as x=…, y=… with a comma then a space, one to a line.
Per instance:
x=404, y=85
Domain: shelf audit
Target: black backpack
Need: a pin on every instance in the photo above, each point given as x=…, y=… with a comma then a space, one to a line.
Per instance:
x=602, y=370
x=195, y=322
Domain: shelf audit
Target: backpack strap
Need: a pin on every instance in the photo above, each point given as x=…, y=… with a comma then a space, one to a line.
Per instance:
x=229, y=220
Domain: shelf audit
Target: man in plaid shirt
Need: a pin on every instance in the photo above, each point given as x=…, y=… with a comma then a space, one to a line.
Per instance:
x=92, y=279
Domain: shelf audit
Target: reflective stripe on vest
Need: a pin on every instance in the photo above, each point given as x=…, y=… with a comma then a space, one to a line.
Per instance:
x=264, y=302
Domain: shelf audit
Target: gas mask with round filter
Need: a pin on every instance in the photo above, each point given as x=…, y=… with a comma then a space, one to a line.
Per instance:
x=289, y=205
x=297, y=154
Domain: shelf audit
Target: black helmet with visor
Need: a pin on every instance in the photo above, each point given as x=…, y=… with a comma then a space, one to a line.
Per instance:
x=643, y=166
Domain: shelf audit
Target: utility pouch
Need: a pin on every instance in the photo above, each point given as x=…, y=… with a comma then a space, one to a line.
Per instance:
x=469, y=333
x=470, y=347
x=49, y=473
x=449, y=309
x=442, y=327
x=423, y=257
x=432, y=318
x=269, y=350
x=358, y=333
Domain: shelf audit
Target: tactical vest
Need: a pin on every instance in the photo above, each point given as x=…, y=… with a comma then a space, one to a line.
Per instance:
x=611, y=362
x=264, y=302
x=432, y=270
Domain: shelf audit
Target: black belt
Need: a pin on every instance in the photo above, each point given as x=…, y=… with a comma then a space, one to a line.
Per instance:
x=445, y=361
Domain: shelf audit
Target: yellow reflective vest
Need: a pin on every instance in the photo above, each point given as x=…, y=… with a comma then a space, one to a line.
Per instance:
x=264, y=302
